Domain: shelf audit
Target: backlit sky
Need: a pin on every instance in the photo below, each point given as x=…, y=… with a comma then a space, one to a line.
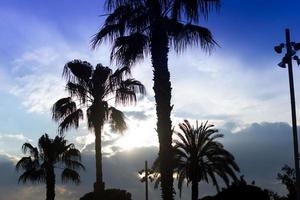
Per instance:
x=238, y=87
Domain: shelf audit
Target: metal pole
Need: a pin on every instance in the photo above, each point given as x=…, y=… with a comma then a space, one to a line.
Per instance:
x=146, y=179
x=293, y=108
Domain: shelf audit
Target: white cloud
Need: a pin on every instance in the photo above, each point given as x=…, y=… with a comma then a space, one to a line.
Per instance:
x=222, y=87
x=85, y=140
x=10, y=145
x=19, y=136
x=15, y=137
x=39, y=92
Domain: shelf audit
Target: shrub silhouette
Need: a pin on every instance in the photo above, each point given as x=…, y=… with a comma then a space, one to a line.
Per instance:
x=240, y=190
x=109, y=194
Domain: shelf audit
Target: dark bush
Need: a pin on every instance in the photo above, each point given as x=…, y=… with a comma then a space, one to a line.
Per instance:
x=240, y=190
x=109, y=194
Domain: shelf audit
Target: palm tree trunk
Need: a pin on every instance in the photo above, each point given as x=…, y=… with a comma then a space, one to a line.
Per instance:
x=99, y=184
x=50, y=183
x=162, y=89
x=194, y=190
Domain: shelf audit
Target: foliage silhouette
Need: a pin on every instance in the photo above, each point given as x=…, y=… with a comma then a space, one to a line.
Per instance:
x=51, y=154
x=274, y=195
x=139, y=27
x=109, y=194
x=197, y=156
x=288, y=178
x=240, y=190
x=93, y=88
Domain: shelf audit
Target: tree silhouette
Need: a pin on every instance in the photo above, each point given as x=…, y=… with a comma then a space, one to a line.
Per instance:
x=197, y=156
x=137, y=27
x=240, y=190
x=51, y=154
x=93, y=88
x=288, y=178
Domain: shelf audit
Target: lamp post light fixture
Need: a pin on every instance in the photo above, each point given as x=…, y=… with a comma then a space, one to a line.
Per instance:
x=287, y=61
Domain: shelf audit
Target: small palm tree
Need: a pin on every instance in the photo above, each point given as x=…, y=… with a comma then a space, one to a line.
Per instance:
x=92, y=88
x=198, y=156
x=139, y=27
x=51, y=154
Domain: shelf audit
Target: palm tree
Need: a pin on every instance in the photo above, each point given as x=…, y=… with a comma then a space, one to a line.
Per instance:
x=93, y=88
x=137, y=27
x=198, y=156
x=51, y=154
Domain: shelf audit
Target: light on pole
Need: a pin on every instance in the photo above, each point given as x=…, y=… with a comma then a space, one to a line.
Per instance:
x=287, y=60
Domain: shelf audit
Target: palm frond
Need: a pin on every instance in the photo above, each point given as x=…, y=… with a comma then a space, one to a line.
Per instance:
x=114, y=4
x=127, y=50
x=193, y=9
x=126, y=93
x=184, y=35
x=78, y=90
x=73, y=164
x=63, y=108
x=32, y=150
x=89, y=117
x=119, y=14
x=33, y=175
x=25, y=163
x=110, y=32
x=71, y=154
x=118, y=76
x=72, y=120
x=70, y=175
x=77, y=71
x=181, y=177
x=117, y=120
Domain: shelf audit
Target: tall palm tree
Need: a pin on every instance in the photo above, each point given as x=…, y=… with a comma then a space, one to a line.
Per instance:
x=92, y=88
x=198, y=157
x=51, y=154
x=137, y=27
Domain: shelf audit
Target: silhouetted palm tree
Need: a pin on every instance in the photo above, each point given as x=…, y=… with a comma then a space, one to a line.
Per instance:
x=137, y=27
x=198, y=156
x=93, y=88
x=51, y=154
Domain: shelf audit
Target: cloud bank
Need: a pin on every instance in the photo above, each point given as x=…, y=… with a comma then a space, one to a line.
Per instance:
x=260, y=149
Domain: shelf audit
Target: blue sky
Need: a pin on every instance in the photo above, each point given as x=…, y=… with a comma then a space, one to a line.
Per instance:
x=237, y=87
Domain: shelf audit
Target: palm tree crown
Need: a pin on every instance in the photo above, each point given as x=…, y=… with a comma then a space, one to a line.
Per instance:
x=51, y=154
x=198, y=156
x=92, y=88
x=131, y=24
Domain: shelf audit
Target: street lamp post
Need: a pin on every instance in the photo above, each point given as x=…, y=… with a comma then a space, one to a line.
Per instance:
x=145, y=178
x=291, y=48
